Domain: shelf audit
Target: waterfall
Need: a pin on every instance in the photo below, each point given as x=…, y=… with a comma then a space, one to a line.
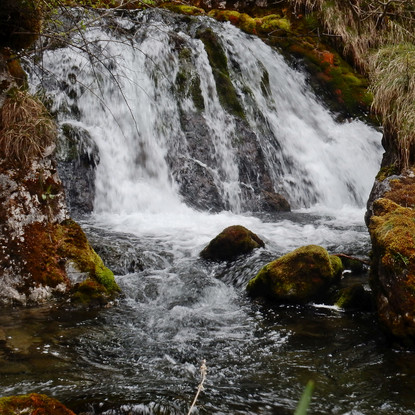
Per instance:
x=185, y=126
x=148, y=97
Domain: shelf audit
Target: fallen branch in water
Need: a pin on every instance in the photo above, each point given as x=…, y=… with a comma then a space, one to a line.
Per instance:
x=203, y=371
x=353, y=258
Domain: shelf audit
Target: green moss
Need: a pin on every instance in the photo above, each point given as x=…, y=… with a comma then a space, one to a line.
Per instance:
x=387, y=171
x=76, y=247
x=248, y=24
x=35, y=404
x=226, y=16
x=299, y=276
x=336, y=265
x=219, y=63
x=188, y=81
x=265, y=85
x=183, y=9
x=273, y=23
x=196, y=93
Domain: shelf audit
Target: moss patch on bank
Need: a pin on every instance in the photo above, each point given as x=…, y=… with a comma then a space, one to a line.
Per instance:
x=47, y=251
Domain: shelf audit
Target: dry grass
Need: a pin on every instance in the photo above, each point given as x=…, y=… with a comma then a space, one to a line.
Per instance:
x=26, y=128
x=393, y=87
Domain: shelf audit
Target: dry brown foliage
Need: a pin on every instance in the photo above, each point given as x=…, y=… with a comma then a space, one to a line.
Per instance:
x=26, y=128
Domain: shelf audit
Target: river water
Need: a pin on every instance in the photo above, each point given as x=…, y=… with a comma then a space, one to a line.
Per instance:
x=142, y=355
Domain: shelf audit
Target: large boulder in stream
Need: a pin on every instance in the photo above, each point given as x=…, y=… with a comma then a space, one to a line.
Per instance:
x=230, y=243
x=390, y=217
x=298, y=277
x=392, y=230
x=33, y=403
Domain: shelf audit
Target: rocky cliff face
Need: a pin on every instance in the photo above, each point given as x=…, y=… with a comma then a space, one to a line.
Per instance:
x=43, y=253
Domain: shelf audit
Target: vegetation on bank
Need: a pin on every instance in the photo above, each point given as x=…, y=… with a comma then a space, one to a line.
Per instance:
x=26, y=128
x=378, y=38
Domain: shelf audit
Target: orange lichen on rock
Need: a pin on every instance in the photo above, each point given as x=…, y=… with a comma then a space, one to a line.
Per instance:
x=32, y=404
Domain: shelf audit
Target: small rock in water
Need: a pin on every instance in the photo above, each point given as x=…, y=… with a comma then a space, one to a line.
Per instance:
x=230, y=243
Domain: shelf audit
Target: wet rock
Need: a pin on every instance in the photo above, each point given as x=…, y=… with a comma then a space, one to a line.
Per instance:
x=120, y=252
x=274, y=202
x=230, y=243
x=392, y=275
x=38, y=240
x=297, y=277
x=33, y=403
x=355, y=297
x=77, y=157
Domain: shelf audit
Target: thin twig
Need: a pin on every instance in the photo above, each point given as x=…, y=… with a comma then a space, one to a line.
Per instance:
x=203, y=370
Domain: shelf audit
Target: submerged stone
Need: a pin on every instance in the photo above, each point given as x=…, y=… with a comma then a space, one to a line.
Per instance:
x=34, y=403
x=231, y=242
x=355, y=297
x=297, y=277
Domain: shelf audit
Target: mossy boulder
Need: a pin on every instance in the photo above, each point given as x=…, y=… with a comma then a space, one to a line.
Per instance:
x=298, y=277
x=32, y=404
x=44, y=254
x=182, y=8
x=392, y=275
x=230, y=243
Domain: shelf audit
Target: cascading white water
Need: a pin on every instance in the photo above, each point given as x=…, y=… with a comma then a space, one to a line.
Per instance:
x=127, y=103
x=322, y=161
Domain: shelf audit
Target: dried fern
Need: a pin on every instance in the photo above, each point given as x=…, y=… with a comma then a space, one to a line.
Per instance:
x=26, y=128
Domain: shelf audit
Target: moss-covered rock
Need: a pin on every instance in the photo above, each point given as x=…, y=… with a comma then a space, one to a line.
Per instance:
x=43, y=253
x=297, y=277
x=231, y=242
x=219, y=64
x=392, y=276
x=32, y=404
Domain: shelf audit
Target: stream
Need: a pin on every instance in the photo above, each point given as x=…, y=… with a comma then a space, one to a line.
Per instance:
x=152, y=216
